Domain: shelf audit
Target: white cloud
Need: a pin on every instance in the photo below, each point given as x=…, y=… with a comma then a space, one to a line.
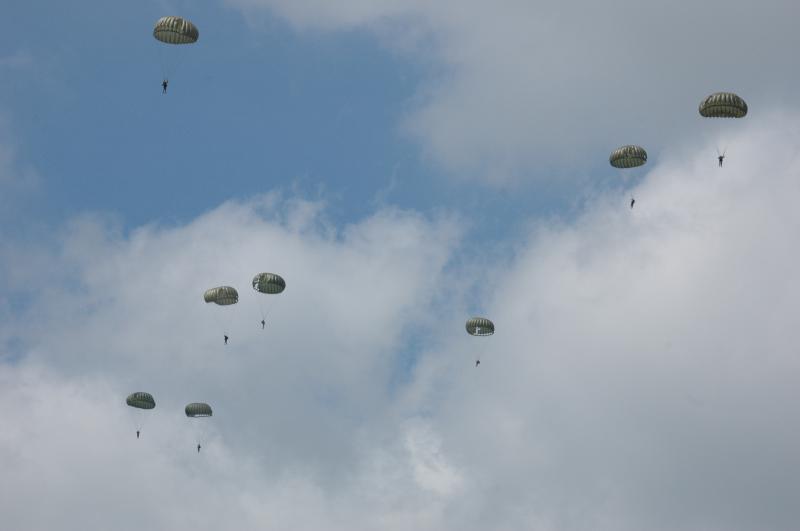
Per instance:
x=644, y=359
x=643, y=374
x=102, y=303
x=534, y=90
x=432, y=472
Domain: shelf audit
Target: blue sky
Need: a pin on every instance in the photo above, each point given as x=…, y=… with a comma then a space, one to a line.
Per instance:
x=403, y=164
x=251, y=109
x=244, y=115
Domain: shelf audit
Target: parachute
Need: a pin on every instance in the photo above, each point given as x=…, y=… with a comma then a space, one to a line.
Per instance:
x=141, y=400
x=175, y=30
x=269, y=283
x=479, y=326
x=222, y=295
x=723, y=105
x=198, y=410
x=628, y=157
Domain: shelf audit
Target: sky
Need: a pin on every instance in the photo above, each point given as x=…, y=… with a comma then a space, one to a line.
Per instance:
x=404, y=166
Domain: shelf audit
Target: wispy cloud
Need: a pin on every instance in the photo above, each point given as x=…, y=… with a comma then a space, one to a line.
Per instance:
x=523, y=90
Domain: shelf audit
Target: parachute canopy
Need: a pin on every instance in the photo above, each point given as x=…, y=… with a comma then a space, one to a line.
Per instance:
x=723, y=105
x=141, y=400
x=480, y=326
x=222, y=295
x=175, y=30
x=628, y=157
x=269, y=283
x=198, y=409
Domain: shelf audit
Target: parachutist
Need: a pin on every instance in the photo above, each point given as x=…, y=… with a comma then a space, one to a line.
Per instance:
x=481, y=327
x=222, y=296
x=141, y=401
x=268, y=284
x=173, y=31
x=198, y=410
x=632, y=202
x=723, y=105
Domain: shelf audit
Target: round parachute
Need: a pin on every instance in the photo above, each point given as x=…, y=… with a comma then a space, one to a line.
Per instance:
x=198, y=409
x=175, y=30
x=480, y=326
x=628, y=157
x=141, y=400
x=222, y=295
x=723, y=105
x=269, y=283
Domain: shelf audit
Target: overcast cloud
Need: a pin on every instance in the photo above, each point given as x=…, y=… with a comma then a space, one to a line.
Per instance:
x=643, y=374
x=536, y=90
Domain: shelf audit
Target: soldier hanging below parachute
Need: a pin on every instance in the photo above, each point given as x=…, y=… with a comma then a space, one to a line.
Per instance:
x=268, y=284
x=141, y=401
x=627, y=157
x=479, y=327
x=723, y=105
x=222, y=296
x=173, y=31
x=198, y=410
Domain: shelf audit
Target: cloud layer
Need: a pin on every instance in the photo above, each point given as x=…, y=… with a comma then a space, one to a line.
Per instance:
x=533, y=90
x=643, y=374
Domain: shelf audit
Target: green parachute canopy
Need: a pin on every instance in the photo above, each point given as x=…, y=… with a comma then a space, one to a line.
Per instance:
x=198, y=409
x=269, y=283
x=222, y=295
x=175, y=30
x=479, y=326
x=628, y=157
x=141, y=400
x=723, y=105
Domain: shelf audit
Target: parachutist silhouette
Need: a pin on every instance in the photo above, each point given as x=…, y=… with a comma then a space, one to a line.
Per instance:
x=477, y=362
x=226, y=340
x=263, y=324
x=198, y=448
x=632, y=202
x=137, y=434
x=720, y=159
x=164, y=86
